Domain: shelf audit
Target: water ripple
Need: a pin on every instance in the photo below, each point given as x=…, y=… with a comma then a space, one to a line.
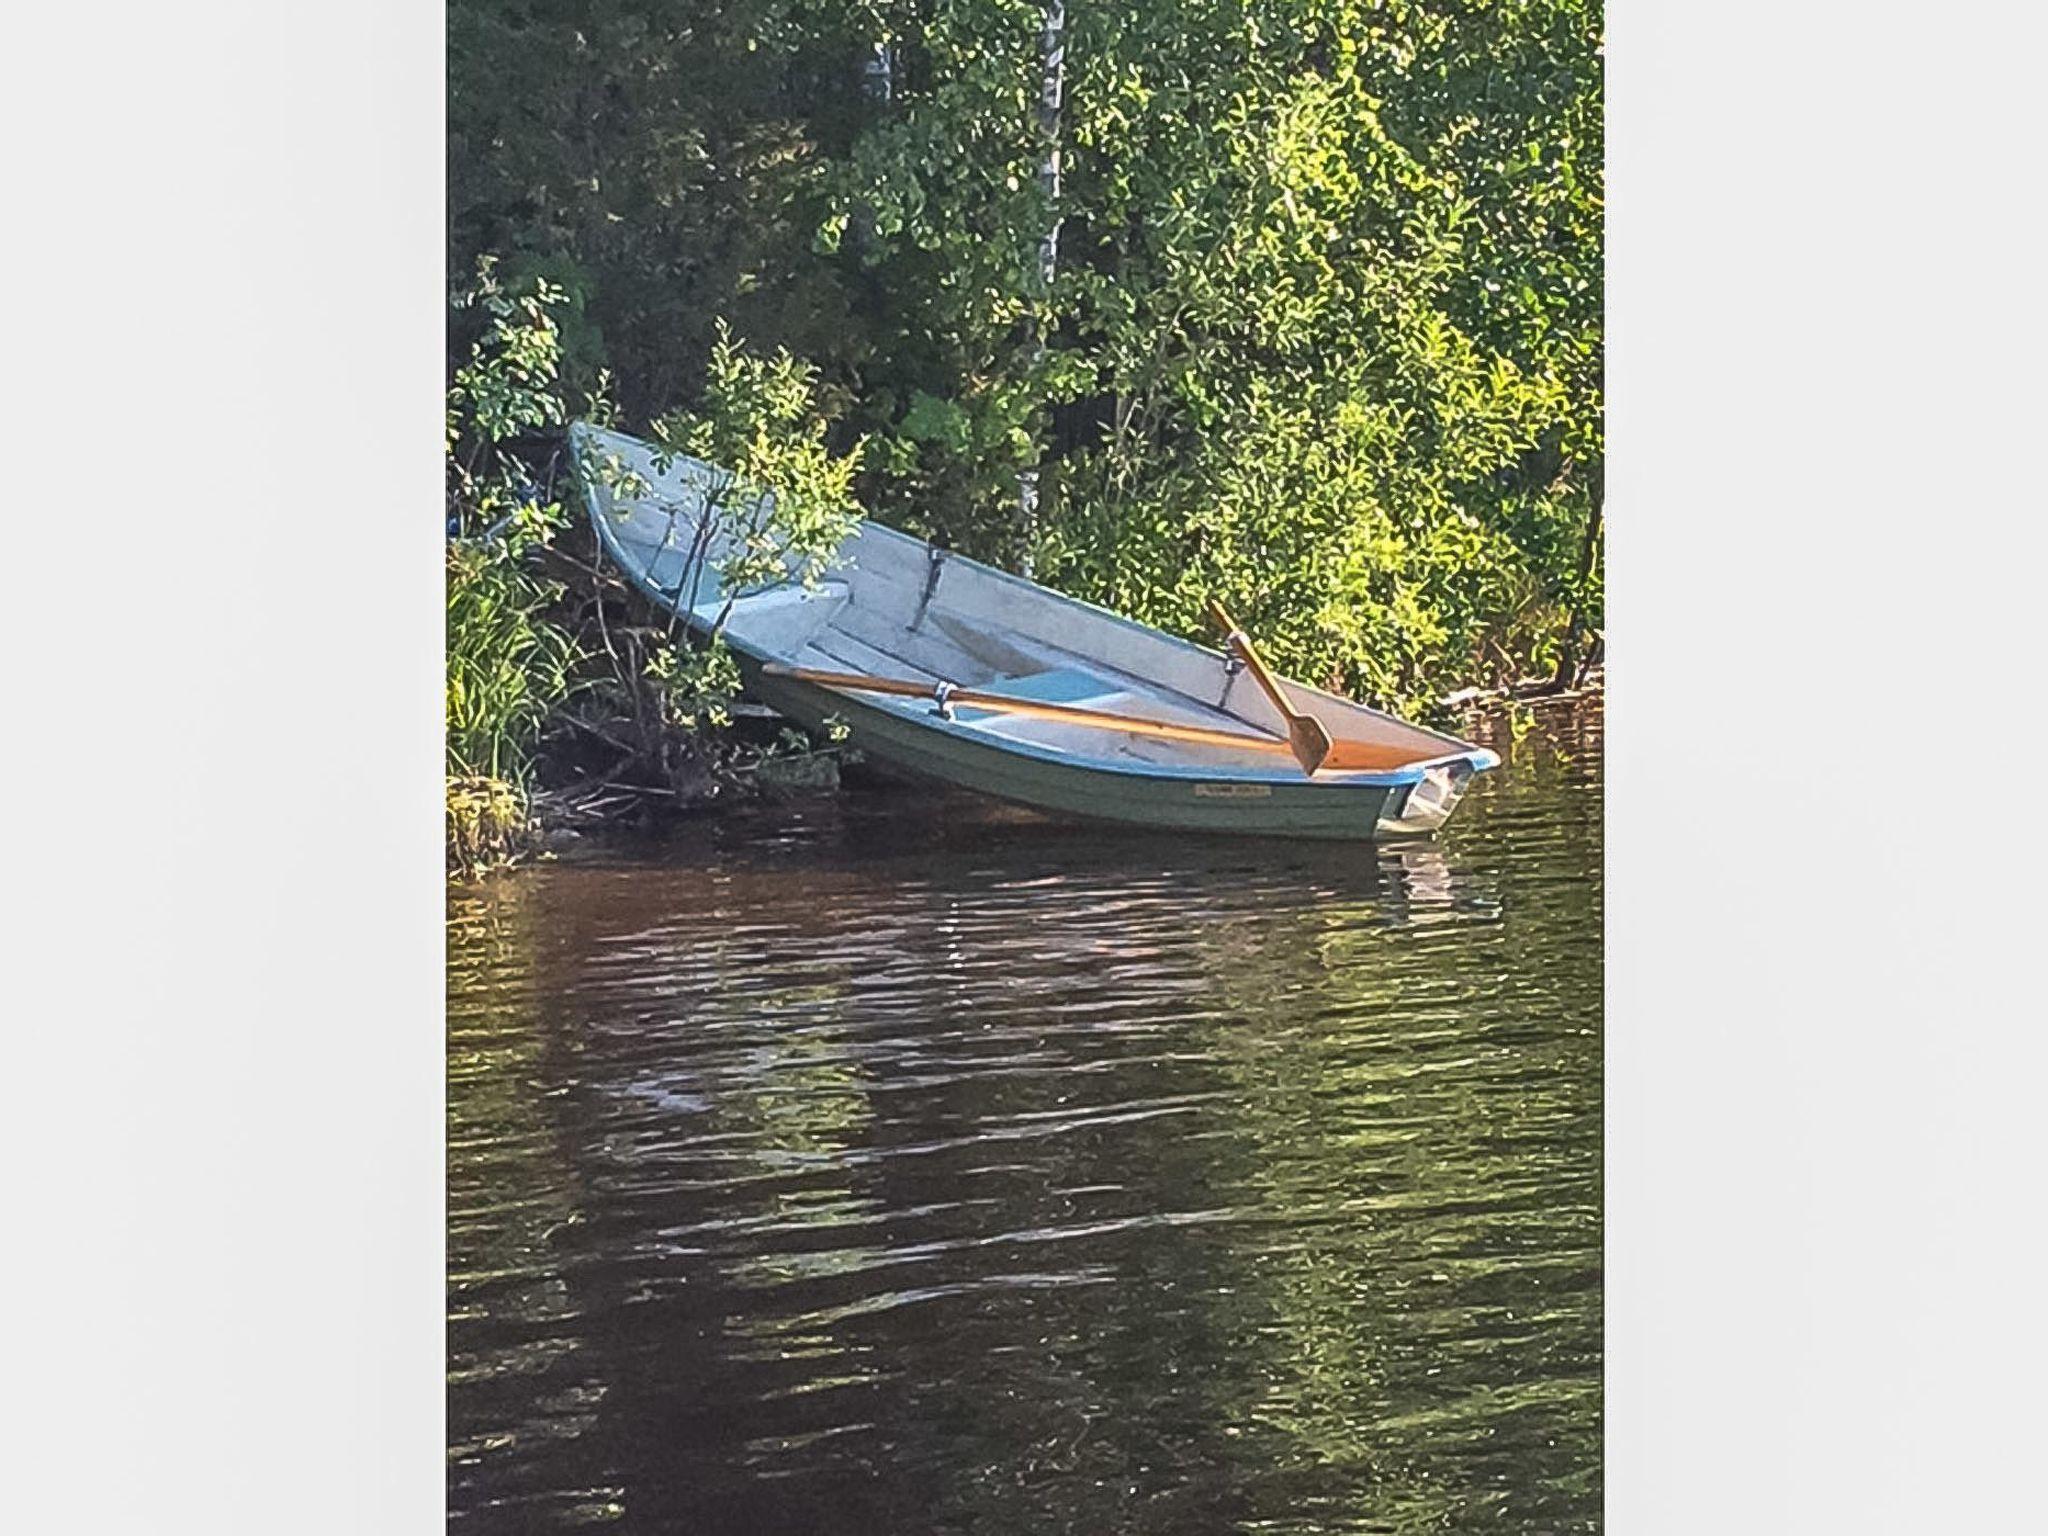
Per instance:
x=868, y=1165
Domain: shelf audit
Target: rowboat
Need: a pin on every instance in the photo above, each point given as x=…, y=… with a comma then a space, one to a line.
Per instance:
x=952, y=670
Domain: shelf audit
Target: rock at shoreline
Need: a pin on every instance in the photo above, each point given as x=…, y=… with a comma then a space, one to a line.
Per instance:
x=813, y=773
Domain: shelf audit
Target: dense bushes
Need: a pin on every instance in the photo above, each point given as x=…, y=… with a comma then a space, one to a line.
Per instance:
x=1323, y=338
x=508, y=664
x=532, y=658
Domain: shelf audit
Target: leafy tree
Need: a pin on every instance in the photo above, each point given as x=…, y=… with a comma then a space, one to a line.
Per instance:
x=785, y=496
x=1330, y=304
x=1324, y=339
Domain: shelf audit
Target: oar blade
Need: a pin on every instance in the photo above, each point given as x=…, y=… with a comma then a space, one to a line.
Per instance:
x=1310, y=741
x=1306, y=735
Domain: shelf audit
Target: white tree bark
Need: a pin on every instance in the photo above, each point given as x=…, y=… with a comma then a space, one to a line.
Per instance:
x=1052, y=69
x=879, y=73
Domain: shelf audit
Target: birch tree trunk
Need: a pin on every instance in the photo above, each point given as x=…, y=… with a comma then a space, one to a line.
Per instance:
x=1052, y=62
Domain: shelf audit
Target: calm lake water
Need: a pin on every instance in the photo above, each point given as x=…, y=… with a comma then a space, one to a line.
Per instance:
x=893, y=1163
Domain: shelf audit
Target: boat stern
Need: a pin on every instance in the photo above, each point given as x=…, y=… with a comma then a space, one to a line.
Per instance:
x=1427, y=804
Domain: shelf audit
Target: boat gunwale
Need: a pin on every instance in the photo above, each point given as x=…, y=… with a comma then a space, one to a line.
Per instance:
x=1153, y=632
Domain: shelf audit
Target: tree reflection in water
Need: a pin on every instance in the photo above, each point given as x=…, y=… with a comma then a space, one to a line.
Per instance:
x=871, y=1165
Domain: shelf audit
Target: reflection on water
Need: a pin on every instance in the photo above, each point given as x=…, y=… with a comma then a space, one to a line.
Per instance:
x=896, y=1164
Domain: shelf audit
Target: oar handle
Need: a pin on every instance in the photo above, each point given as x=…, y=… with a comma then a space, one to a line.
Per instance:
x=944, y=694
x=1220, y=617
x=861, y=681
x=1346, y=756
x=1239, y=644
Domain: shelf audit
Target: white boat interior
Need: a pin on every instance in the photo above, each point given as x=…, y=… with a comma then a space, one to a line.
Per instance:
x=893, y=607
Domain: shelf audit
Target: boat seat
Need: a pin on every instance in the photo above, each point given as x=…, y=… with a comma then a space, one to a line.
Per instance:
x=781, y=619
x=1062, y=685
x=834, y=650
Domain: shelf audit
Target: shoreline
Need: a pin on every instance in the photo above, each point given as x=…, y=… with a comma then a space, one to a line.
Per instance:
x=494, y=826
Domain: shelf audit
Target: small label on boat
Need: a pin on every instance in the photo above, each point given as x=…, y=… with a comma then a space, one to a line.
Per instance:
x=1234, y=791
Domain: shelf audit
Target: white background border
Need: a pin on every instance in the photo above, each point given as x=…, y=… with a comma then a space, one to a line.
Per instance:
x=223, y=1132
x=1825, y=573
x=223, y=1125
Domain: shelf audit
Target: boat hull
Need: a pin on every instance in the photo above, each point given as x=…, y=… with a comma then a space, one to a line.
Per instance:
x=1135, y=798
x=897, y=608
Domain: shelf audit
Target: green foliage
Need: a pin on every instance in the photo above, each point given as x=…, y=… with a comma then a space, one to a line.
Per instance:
x=489, y=823
x=696, y=683
x=786, y=494
x=522, y=645
x=661, y=163
x=510, y=383
x=509, y=663
x=1324, y=340
x=1331, y=286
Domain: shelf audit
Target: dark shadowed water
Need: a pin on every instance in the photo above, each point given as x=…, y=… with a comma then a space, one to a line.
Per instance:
x=894, y=1164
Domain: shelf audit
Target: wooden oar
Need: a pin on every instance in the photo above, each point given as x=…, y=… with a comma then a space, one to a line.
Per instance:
x=944, y=694
x=1305, y=733
x=1344, y=756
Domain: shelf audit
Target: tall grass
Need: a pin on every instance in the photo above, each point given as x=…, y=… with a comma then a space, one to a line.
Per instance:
x=490, y=822
x=509, y=665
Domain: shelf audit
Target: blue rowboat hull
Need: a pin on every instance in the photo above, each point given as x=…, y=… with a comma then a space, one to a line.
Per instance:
x=892, y=606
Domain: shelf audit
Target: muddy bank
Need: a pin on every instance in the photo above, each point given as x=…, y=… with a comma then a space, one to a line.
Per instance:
x=492, y=824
